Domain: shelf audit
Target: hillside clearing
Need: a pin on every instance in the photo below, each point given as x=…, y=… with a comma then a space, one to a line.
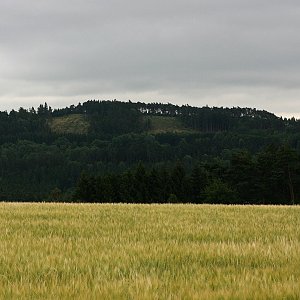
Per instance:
x=69, y=124
x=160, y=124
x=88, y=251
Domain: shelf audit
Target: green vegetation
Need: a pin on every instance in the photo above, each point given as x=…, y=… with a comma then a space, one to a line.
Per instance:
x=70, y=124
x=43, y=152
x=160, y=124
x=75, y=251
x=271, y=177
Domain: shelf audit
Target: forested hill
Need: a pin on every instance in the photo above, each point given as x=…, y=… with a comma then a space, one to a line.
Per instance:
x=107, y=119
x=44, y=151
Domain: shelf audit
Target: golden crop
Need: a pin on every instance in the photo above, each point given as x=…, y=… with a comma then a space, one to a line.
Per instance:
x=90, y=251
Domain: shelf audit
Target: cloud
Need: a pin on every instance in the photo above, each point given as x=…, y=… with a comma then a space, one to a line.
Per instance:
x=215, y=52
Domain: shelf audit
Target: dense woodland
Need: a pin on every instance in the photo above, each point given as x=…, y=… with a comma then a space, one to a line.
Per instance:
x=219, y=155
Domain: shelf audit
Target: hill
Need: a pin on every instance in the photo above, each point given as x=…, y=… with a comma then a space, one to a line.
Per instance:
x=43, y=152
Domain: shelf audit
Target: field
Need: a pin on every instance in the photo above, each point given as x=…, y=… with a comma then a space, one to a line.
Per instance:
x=66, y=251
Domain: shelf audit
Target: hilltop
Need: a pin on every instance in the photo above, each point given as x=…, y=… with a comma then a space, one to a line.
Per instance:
x=107, y=119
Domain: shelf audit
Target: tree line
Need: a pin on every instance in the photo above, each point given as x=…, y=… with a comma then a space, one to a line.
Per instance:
x=270, y=177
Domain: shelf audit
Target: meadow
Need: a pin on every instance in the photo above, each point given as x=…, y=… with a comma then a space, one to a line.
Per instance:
x=106, y=251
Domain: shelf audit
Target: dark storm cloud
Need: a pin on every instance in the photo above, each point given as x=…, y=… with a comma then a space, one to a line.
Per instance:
x=228, y=53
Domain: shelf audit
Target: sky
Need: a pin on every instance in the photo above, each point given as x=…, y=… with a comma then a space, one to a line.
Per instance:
x=197, y=52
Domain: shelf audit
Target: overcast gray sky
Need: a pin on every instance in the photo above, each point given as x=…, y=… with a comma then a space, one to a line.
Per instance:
x=215, y=52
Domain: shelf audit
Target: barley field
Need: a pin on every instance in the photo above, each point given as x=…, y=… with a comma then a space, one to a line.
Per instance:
x=86, y=251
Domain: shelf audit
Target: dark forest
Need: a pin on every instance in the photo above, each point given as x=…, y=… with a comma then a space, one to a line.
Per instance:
x=112, y=151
